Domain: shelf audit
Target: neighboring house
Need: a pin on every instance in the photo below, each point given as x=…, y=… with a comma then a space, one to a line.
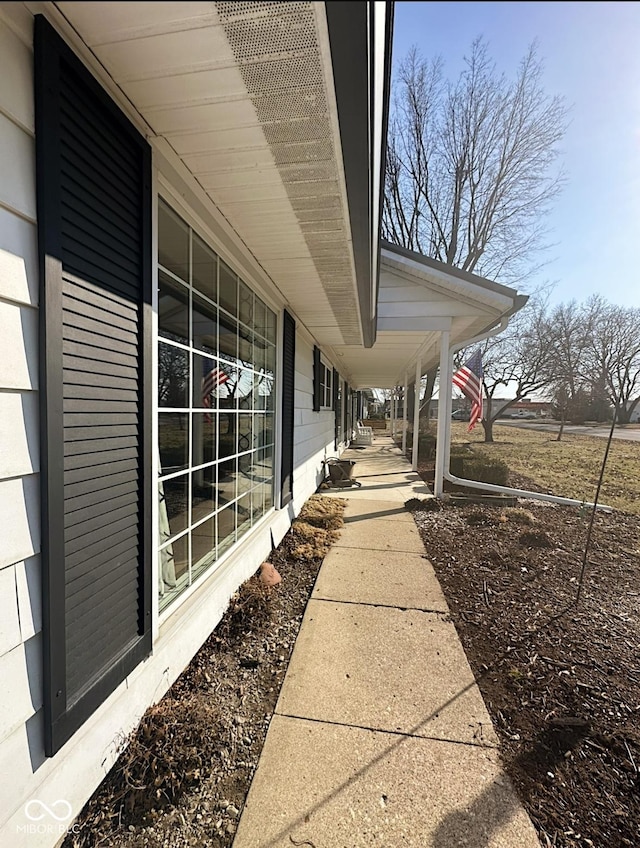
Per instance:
x=192, y=301
x=634, y=418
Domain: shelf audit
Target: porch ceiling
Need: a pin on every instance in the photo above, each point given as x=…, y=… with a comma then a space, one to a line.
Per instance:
x=244, y=94
x=418, y=299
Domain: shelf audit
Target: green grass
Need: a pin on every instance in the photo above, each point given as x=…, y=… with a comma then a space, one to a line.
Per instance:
x=569, y=468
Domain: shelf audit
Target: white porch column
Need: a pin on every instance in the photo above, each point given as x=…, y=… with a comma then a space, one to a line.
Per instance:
x=416, y=416
x=393, y=411
x=404, y=413
x=444, y=415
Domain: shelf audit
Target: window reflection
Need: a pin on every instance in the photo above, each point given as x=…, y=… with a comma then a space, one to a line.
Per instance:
x=204, y=492
x=173, y=242
x=176, y=499
x=173, y=309
x=204, y=438
x=173, y=377
x=203, y=545
x=204, y=272
x=205, y=325
x=216, y=365
x=173, y=440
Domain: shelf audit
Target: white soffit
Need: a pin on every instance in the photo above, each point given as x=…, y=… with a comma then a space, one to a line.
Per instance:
x=243, y=93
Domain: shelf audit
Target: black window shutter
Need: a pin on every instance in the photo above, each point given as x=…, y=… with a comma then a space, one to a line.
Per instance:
x=93, y=182
x=288, y=389
x=317, y=379
x=334, y=390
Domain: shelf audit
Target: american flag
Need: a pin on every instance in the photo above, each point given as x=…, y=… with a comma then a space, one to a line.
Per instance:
x=469, y=380
x=211, y=379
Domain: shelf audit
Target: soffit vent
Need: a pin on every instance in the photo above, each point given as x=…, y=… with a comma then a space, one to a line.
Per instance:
x=276, y=47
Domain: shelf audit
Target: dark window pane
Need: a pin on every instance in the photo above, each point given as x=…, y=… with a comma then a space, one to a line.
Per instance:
x=243, y=510
x=226, y=529
x=263, y=426
x=245, y=345
x=268, y=497
x=173, y=242
x=259, y=353
x=173, y=438
x=176, y=501
x=245, y=304
x=204, y=269
x=228, y=289
x=204, y=499
x=257, y=502
x=227, y=434
x=228, y=337
x=203, y=546
x=173, y=309
x=270, y=325
x=205, y=325
x=245, y=433
x=244, y=481
x=173, y=377
x=259, y=317
x=203, y=438
x=174, y=562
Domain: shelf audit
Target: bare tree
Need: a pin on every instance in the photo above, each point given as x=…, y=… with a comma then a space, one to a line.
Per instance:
x=470, y=165
x=615, y=352
x=571, y=370
x=517, y=360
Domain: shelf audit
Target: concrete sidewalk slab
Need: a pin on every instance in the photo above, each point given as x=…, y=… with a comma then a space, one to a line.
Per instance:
x=358, y=510
x=344, y=787
x=381, y=534
x=385, y=669
x=396, y=579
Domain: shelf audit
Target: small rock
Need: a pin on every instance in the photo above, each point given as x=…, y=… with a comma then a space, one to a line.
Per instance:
x=223, y=804
x=233, y=811
x=231, y=828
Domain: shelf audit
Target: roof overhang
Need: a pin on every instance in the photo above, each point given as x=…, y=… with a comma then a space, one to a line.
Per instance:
x=277, y=110
x=419, y=298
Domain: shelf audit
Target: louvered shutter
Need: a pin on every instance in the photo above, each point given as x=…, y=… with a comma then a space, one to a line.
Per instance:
x=336, y=411
x=317, y=379
x=94, y=232
x=288, y=390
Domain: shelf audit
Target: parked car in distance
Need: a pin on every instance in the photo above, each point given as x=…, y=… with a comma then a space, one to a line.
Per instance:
x=518, y=413
x=461, y=415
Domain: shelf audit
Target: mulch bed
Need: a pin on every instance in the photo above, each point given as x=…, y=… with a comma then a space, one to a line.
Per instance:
x=561, y=682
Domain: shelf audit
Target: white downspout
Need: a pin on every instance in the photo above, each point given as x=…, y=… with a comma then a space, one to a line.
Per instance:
x=474, y=484
x=404, y=413
x=416, y=415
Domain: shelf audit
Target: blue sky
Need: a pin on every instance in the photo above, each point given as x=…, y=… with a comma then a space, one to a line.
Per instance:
x=591, y=53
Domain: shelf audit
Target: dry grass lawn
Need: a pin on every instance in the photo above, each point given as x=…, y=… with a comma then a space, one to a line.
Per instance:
x=569, y=468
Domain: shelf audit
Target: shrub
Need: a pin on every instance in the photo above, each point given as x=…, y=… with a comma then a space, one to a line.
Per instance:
x=426, y=445
x=486, y=469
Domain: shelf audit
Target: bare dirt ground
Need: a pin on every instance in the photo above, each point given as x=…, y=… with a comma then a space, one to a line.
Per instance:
x=184, y=776
x=561, y=682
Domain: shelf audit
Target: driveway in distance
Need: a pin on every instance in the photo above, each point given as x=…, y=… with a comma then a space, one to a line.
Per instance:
x=578, y=429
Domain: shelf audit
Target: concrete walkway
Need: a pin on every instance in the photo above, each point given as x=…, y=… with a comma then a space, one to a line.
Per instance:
x=380, y=736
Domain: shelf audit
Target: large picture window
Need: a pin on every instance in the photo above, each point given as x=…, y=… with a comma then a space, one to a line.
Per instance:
x=216, y=367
